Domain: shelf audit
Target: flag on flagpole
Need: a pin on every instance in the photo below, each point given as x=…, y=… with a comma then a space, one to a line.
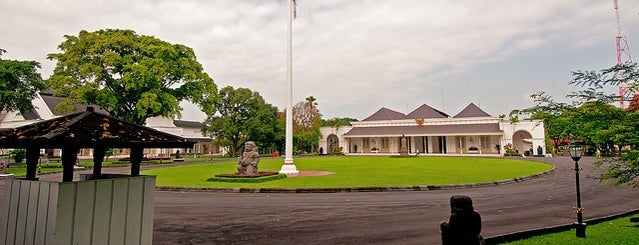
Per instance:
x=294, y=9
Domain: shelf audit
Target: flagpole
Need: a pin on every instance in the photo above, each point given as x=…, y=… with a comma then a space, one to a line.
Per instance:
x=289, y=166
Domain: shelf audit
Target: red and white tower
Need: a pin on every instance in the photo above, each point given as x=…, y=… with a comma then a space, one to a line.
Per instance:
x=623, y=53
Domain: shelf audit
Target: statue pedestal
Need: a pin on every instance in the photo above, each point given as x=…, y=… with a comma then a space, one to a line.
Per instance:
x=403, y=151
x=289, y=169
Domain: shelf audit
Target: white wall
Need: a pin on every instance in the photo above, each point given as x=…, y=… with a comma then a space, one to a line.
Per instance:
x=106, y=211
x=339, y=132
x=534, y=127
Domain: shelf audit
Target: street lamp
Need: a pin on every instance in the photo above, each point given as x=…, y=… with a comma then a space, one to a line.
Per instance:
x=555, y=139
x=575, y=153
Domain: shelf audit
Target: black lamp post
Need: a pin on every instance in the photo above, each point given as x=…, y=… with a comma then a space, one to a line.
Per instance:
x=555, y=139
x=575, y=153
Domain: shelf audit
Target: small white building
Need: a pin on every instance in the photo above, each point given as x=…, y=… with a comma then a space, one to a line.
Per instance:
x=432, y=132
x=44, y=105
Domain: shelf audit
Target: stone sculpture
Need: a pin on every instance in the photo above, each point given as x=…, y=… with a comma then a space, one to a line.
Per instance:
x=247, y=164
x=464, y=224
x=3, y=167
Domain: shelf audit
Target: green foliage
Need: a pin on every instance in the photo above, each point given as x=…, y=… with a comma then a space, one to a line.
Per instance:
x=19, y=83
x=18, y=155
x=602, y=125
x=242, y=115
x=306, y=124
x=620, y=75
x=131, y=76
x=248, y=180
x=337, y=122
x=108, y=153
x=22, y=171
x=617, y=231
x=509, y=151
x=593, y=119
x=623, y=170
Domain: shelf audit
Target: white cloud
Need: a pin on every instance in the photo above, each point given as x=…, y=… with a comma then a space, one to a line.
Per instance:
x=354, y=56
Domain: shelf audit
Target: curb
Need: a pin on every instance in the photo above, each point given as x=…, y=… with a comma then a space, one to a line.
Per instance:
x=515, y=236
x=352, y=189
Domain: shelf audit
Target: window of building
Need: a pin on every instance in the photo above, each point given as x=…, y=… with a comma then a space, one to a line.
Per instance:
x=485, y=141
x=385, y=142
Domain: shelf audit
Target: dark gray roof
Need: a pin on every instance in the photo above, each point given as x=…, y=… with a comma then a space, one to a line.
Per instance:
x=88, y=130
x=31, y=115
x=425, y=112
x=385, y=114
x=472, y=111
x=53, y=101
x=187, y=124
x=483, y=128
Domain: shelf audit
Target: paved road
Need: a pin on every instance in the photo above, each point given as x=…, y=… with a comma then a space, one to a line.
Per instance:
x=382, y=217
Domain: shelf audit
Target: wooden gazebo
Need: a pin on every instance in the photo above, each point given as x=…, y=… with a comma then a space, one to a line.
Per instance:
x=87, y=129
x=114, y=209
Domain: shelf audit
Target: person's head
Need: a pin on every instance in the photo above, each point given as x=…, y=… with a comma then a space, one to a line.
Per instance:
x=461, y=203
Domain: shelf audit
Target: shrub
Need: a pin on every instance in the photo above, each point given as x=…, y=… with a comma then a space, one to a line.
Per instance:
x=19, y=155
x=248, y=180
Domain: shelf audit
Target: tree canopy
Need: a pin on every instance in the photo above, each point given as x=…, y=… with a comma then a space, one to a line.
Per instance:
x=306, y=124
x=19, y=83
x=338, y=122
x=242, y=115
x=592, y=118
x=129, y=75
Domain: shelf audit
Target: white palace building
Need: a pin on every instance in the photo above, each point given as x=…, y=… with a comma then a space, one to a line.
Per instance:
x=431, y=132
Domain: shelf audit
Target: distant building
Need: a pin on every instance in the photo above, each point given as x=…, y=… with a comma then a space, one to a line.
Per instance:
x=44, y=108
x=433, y=132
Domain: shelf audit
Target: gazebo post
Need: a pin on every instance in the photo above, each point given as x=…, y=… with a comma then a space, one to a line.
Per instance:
x=33, y=154
x=69, y=157
x=98, y=157
x=137, y=153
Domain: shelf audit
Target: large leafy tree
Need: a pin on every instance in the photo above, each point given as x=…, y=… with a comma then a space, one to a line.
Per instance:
x=19, y=82
x=306, y=123
x=242, y=115
x=593, y=118
x=129, y=75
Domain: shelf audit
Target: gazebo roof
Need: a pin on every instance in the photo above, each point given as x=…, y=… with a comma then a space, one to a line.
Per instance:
x=87, y=130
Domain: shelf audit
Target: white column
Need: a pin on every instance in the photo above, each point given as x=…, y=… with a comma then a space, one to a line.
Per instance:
x=289, y=166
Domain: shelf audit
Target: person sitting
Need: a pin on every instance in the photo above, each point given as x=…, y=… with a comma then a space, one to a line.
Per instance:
x=464, y=224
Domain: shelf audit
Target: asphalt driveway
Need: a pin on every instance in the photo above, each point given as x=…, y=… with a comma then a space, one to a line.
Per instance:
x=406, y=217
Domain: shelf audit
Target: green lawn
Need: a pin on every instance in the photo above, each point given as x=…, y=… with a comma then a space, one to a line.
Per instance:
x=351, y=171
x=20, y=169
x=618, y=231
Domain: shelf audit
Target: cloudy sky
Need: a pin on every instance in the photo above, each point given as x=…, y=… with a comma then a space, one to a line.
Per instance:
x=355, y=56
